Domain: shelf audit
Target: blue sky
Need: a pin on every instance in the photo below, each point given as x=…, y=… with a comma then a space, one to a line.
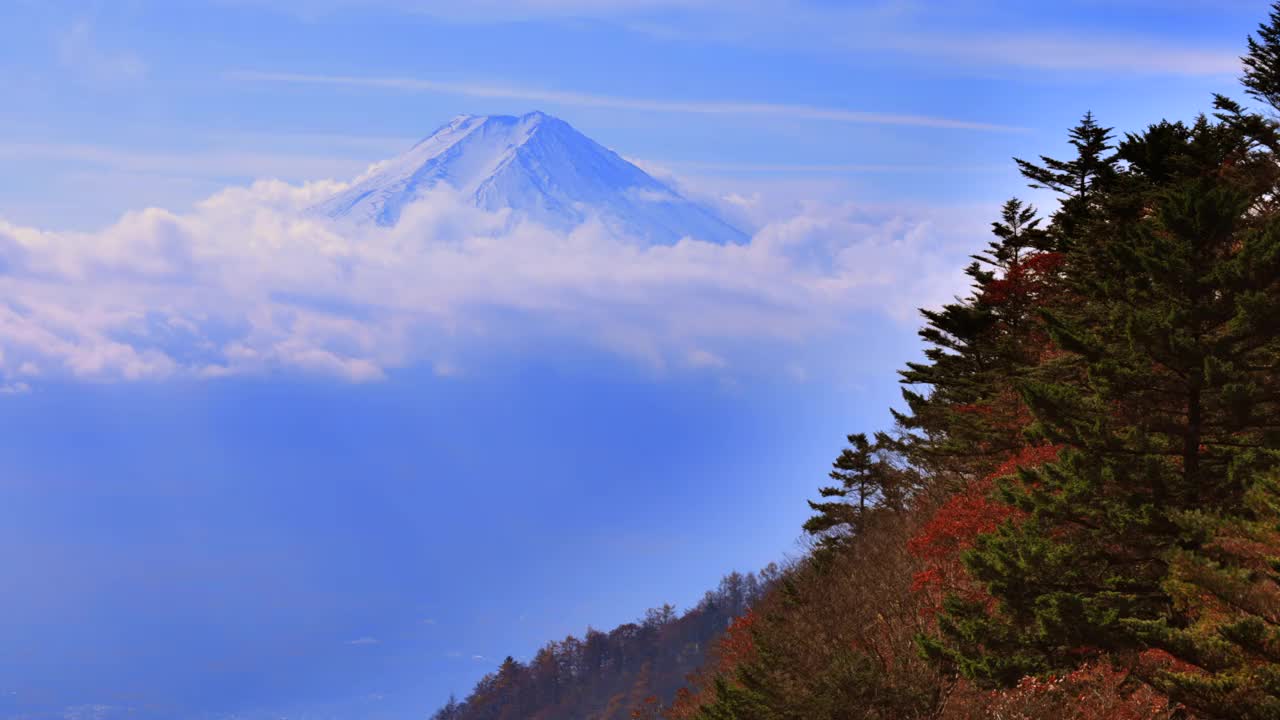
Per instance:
x=250, y=467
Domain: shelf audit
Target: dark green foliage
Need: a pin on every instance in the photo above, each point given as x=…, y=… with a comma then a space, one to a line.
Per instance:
x=1080, y=180
x=1131, y=347
x=1166, y=401
x=1262, y=63
x=976, y=348
x=837, y=639
x=1081, y=176
x=1227, y=589
x=850, y=686
x=1137, y=337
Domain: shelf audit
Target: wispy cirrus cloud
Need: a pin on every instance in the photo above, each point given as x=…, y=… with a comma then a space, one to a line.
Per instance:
x=958, y=32
x=233, y=160
x=1066, y=52
x=618, y=102
x=79, y=51
x=819, y=169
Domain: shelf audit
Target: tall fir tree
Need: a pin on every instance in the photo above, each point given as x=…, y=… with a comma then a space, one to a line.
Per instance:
x=1262, y=62
x=1117, y=371
x=869, y=480
x=1078, y=180
x=1167, y=402
x=963, y=414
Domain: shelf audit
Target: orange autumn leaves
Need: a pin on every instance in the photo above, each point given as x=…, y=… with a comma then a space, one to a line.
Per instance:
x=956, y=525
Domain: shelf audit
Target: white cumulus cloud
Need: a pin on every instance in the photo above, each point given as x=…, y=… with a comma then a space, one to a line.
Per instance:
x=249, y=283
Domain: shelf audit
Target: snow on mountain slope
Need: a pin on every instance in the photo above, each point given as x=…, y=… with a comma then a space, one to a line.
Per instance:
x=538, y=167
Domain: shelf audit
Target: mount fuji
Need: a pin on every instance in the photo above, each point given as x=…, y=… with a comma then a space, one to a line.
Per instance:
x=540, y=169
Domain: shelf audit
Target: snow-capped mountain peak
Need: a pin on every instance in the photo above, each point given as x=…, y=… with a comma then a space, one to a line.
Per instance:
x=537, y=166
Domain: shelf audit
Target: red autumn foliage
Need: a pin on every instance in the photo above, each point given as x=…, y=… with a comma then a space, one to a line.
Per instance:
x=1044, y=265
x=955, y=527
x=650, y=709
x=1031, y=456
x=734, y=648
x=1098, y=689
x=951, y=531
x=1155, y=660
x=1025, y=281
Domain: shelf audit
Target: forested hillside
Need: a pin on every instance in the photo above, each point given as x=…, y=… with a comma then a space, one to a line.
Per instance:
x=605, y=676
x=1077, y=512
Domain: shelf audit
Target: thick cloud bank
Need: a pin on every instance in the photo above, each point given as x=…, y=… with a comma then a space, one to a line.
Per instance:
x=248, y=283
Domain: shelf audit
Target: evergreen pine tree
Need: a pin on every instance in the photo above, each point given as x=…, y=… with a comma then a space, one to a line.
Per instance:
x=1078, y=180
x=1262, y=63
x=968, y=422
x=1166, y=401
x=868, y=480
